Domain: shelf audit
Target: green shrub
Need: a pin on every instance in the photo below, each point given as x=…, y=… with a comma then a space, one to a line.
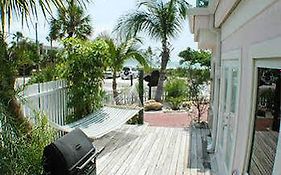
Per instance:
x=47, y=74
x=21, y=154
x=82, y=68
x=175, y=102
x=176, y=91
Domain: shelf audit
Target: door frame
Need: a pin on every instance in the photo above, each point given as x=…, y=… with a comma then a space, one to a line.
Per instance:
x=265, y=54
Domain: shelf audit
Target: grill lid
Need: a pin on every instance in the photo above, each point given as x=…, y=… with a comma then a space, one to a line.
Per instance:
x=67, y=151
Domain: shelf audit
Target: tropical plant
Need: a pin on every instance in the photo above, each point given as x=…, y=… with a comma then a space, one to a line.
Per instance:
x=24, y=9
x=48, y=69
x=178, y=72
x=176, y=92
x=24, y=54
x=22, y=153
x=46, y=74
x=71, y=22
x=50, y=57
x=198, y=77
x=200, y=58
x=198, y=82
x=8, y=74
x=162, y=21
x=152, y=58
x=83, y=68
x=119, y=53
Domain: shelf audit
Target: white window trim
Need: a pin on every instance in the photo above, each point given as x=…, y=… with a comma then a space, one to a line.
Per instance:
x=266, y=54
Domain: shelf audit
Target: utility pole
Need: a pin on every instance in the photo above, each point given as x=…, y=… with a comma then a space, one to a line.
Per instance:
x=38, y=54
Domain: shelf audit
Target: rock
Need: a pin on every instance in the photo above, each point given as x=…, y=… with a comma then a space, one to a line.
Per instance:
x=152, y=105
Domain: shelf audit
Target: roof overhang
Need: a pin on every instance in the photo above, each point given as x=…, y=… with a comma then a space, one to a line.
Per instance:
x=201, y=21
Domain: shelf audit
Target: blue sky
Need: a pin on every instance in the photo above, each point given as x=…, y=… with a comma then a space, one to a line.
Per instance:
x=104, y=15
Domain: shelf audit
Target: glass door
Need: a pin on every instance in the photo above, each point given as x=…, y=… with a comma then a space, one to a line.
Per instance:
x=228, y=113
x=267, y=121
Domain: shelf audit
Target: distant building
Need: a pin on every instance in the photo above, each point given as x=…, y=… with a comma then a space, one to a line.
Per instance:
x=245, y=39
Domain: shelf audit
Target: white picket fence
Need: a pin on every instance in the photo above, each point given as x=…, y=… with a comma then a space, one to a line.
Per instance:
x=49, y=98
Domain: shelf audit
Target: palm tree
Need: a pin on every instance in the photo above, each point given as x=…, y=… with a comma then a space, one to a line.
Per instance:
x=23, y=9
x=162, y=21
x=18, y=36
x=119, y=53
x=71, y=22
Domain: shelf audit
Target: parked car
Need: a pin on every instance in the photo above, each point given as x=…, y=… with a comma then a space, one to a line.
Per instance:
x=109, y=74
x=127, y=72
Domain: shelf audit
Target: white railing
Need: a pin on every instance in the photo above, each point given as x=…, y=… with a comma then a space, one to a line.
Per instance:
x=49, y=98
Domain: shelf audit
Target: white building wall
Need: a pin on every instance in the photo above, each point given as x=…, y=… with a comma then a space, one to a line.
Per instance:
x=251, y=22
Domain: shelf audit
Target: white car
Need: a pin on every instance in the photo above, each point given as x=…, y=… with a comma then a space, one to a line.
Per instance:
x=109, y=74
x=127, y=72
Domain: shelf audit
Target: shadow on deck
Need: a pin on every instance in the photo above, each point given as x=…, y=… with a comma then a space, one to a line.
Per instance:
x=199, y=160
x=147, y=150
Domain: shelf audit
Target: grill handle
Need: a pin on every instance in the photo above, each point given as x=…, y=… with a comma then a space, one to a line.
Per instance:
x=90, y=159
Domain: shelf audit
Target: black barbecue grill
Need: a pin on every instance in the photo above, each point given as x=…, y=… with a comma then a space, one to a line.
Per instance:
x=73, y=154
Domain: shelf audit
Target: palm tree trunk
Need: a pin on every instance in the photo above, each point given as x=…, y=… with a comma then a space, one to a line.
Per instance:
x=114, y=86
x=51, y=43
x=15, y=110
x=162, y=73
x=14, y=107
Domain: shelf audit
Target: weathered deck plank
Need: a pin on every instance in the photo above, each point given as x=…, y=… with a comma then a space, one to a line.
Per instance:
x=176, y=151
x=127, y=151
x=159, y=158
x=200, y=170
x=145, y=150
x=264, y=150
x=114, y=144
x=149, y=159
x=182, y=157
x=193, y=154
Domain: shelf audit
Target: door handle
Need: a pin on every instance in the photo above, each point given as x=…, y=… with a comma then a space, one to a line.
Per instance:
x=225, y=125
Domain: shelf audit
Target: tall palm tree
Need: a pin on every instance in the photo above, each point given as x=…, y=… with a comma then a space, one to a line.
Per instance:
x=162, y=21
x=119, y=53
x=71, y=22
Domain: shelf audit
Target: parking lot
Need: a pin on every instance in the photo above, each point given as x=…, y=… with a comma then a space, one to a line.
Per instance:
x=121, y=84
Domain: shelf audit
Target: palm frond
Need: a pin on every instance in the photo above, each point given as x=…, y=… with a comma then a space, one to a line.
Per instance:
x=25, y=9
x=161, y=20
x=71, y=22
x=138, y=56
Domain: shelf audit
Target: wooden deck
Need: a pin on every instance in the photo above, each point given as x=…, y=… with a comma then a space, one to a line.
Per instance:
x=264, y=150
x=146, y=150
